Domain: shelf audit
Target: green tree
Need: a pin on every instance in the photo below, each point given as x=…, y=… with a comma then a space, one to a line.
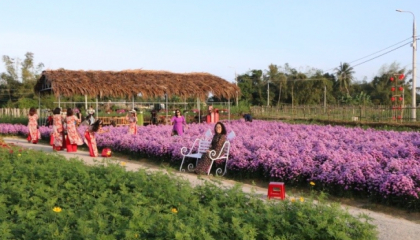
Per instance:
x=381, y=85
x=344, y=76
x=251, y=87
x=272, y=76
x=9, y=85
x=17, y=89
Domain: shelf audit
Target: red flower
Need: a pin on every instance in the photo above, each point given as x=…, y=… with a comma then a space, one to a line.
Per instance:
x=391, y=79
x=393, y=99
x=392, y=89
x=400, y=88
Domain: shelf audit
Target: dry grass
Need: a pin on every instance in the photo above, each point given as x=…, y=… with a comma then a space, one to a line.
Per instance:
x=132, y=82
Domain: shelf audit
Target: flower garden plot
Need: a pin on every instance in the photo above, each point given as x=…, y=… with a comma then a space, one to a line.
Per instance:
x=44, y=196
x=381, y=164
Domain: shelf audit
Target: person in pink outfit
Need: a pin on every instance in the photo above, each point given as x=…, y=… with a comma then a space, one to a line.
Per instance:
x=34, y=134
x=178, y=121
x=73, y=138
x=132, y=119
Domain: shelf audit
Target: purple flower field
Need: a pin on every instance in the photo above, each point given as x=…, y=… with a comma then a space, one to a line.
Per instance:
x=379, y=162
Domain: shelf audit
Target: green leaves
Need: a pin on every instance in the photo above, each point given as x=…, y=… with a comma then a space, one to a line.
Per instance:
x=47, y=197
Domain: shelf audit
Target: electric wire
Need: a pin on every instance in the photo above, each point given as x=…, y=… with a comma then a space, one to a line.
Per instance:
x=380, y=50
x=380, y=55
x=376, y=53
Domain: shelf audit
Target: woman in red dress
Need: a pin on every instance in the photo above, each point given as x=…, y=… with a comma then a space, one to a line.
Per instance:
x=90, y=138
x=58, y=130
x=73, y=138
x=34, y=134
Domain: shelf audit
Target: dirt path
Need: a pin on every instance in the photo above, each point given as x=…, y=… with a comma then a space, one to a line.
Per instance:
x=389, y=227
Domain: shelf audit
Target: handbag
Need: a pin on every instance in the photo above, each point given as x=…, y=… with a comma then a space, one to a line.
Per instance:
x=106, y=152
x=52, y=139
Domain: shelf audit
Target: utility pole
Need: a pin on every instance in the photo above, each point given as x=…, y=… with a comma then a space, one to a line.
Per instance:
x=236, y=82
x=268, y=91
x=325, y=99
x=414, y=90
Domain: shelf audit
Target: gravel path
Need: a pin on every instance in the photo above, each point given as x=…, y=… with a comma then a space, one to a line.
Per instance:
x=389, y=227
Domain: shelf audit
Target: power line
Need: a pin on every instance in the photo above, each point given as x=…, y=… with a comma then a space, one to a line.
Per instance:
x=375, y=53
x=380, y=50
x=380, y=55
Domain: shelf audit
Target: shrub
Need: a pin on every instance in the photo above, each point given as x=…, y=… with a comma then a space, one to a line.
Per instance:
x=44, y=196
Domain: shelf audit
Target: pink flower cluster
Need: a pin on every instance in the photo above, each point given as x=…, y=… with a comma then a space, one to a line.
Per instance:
x=379, y=162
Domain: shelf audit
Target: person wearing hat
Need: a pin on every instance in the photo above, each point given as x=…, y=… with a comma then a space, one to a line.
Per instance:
x=132, y=119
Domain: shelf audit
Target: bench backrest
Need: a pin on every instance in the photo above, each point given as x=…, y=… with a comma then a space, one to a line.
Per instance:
x=203, y=145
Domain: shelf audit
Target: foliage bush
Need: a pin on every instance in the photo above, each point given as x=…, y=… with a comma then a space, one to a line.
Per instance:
x=14, y=120
x=44, y=196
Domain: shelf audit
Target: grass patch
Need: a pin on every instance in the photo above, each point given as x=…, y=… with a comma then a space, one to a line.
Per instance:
x=44, y=196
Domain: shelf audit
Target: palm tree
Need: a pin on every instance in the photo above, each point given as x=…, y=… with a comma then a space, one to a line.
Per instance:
x=345, y=76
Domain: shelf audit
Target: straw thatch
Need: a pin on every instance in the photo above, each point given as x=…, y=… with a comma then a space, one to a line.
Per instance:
x=132, y=82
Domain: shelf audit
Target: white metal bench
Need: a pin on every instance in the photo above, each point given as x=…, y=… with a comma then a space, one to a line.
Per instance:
x=200, y=147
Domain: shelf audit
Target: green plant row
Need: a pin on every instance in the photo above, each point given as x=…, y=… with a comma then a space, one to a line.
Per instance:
x=44, y=196
x=14, y=120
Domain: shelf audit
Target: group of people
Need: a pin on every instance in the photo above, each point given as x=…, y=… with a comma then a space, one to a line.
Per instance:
x=64, y=133
x=65, y=136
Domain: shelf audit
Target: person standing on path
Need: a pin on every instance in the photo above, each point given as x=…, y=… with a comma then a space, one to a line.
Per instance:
x=34, y=134
x=73, y=138
x=58, y=131
x=179, y=122
x=90, y=138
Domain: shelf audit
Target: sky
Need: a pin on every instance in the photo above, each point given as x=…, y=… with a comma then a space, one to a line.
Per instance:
x=220, y=37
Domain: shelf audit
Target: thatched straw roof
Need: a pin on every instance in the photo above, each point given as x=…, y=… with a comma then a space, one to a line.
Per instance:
x=132, y=82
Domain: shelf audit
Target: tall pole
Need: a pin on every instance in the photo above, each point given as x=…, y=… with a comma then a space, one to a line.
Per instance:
x=236, y=82
x=414, y=90
x=414, y=102
x=325, y=98
x=268, y=93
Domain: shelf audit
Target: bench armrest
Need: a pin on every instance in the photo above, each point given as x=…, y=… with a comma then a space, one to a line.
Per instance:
x=185, y=151
x=225, y=149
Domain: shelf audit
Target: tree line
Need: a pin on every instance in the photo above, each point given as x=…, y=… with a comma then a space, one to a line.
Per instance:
x=286, y=85
x=274, y=86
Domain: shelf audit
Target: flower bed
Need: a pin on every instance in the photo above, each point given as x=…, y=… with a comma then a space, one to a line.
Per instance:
x=381, y=164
